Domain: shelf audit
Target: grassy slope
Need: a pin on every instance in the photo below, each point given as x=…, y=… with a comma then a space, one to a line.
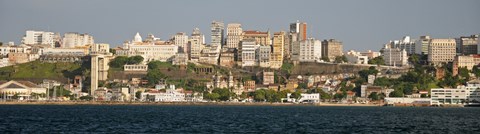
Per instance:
x=39, y=70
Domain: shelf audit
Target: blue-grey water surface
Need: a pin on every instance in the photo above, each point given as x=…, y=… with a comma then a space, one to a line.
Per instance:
x=235, y=119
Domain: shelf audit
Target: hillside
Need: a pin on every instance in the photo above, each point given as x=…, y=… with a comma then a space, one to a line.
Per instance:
x=36, y=71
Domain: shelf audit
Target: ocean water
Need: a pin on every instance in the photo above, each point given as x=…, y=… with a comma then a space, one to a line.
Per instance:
x=235, y=119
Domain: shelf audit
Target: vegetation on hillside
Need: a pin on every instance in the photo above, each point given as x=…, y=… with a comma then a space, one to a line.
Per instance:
x=44, y=70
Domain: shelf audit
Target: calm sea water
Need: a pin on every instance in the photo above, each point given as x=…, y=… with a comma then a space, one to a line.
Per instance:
x=236, y=119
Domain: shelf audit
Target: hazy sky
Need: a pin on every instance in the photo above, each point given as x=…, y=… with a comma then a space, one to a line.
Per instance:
x=360, y=24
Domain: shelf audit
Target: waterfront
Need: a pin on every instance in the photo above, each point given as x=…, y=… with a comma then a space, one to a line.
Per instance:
x=234, y=119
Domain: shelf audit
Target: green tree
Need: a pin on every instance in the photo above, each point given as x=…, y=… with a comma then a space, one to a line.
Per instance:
x=373, y=96
x=259, y=95
x=224, y=93
x=396, y=93
x=212, y=96
x=341, y=59
x=154, y=75
x=118, y=61
x=86, y=98
x=476, y=71
x=377, y=61
x=296, y=95
x=464, y=73
x=135, y=59
x=138, y=95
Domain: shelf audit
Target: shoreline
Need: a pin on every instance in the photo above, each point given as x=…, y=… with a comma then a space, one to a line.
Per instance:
x=183, y=104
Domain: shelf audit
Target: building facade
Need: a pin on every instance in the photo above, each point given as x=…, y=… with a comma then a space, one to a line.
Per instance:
x=234, y=35
x=468, y=45
x=217, y=29
x=332, y=48
x=276, y=60
x=394, y=56
x=39, y=38
x=71, y=40
x=310, y=50
x=263, y=56
x=248, y=53
x=261, y=38
x=406, y=44
x=441, y=50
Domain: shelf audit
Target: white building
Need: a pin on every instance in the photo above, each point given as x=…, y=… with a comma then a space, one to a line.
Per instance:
x=310, y=50
x=181, y=40
x=394, y=56
x=406, y=44
x=421, y=46
x=263, y=56
x=248, y=52
x=305, y=98
x=39, y=37
x=210, y=54
x=356, y=58
x=234, y=35
x=195, y=45
x=217, y=28
x=171, y=95
x=71, y=40
x=158, y=50
x=448, y=96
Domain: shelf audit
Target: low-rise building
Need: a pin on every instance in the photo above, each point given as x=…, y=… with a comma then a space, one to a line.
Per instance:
x=268, y=78
x=23, y=89
x=134, y=68
x=394, y=56
x=305, y=98
x=356, y=58
x=448, y=96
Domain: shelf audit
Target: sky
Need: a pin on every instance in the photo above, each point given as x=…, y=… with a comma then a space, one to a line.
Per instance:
x=359, y=24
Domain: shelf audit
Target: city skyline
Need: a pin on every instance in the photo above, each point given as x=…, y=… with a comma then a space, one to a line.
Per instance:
x=363, y=25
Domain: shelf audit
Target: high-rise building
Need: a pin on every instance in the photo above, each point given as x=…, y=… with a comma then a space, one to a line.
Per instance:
x=261, y=38
x=406, y=44
x=394, y=56
x=310, y=50
x=421, y=46
x=217, y=33
x=195, y=44
x=71, y=40
x=234, y=35
x=468, y=44
x=300, y=28
x=100, y=54
x=263, y=56
x=249, y=48
x=278, y=49
x=332, y=48
x=39, y=38
x=181, y=40
x=441, y=50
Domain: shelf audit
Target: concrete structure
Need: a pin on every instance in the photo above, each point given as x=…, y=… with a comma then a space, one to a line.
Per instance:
x=448, y=96
x=263, y=56
x=300, y=28
x=305, y=98
x=261, y=38
x=181, y=40
x=394, y=56
x=227, y=57
x=268, y=77
x=210, y=54
x=100, y=54
x=332, y=48
x=356, y=58
x=217, y=29
x=462, y=61
x=180, y=59
x=366, y=90
x=234, y=35
x=276, y=60
x=403, y=100
x=406, y=44
x=22, y=89
x=421, y=46
x=248, y=51
x=310, y=50
x=468, y=44
x=39, y=38
x=196, y=45
x=71, y=40
x=135, y=68
x=370, y=54
x=157, y=50
x=441, y=50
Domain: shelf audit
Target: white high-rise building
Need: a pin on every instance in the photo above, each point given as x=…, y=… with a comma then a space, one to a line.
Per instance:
x=71, y=40
x=249, y=48
x=234, y=35
x=217, y=33
x=406, y=44
x=263, y=56
x=195, y=45
x=394, y=56
x=181, y=40
x=39, y=38
x=310, y=50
